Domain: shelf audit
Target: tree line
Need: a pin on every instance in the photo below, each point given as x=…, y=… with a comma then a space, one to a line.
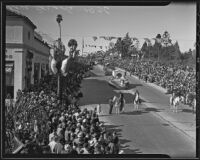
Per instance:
x=162, y=50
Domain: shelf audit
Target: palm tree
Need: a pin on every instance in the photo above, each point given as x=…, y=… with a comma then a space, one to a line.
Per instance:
x=59, y=19
x=59, y=90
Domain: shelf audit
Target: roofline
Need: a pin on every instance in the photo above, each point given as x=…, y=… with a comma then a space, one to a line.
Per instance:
x=44, y=43
x=21, y=16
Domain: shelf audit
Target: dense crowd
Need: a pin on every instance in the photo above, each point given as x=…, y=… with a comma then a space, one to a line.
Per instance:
x=65, y=131
x=42, y=123
x=174, y=77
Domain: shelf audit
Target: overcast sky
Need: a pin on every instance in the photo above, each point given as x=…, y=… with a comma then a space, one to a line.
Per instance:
x=140, y=21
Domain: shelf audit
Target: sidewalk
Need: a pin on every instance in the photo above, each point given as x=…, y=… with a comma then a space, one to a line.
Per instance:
x=184, y=121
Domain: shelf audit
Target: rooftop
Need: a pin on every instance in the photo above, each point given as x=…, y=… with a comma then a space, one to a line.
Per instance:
x=10, y=13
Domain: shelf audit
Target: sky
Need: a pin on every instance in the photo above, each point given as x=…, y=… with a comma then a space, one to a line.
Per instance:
x=179, y=19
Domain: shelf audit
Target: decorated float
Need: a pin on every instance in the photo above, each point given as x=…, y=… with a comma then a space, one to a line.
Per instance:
x=119, y=79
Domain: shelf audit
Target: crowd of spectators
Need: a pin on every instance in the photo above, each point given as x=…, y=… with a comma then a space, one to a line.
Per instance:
x=174, y=77
x=42, y=123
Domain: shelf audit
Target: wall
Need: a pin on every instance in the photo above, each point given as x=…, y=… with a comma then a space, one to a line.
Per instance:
x=18, y=44
x=38, y=59
x=16, y=56
x=14, y=34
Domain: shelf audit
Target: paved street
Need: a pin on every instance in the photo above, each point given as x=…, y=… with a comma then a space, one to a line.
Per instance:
x=148, y=131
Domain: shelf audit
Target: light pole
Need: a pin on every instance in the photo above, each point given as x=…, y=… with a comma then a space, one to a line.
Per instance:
x=59, y=91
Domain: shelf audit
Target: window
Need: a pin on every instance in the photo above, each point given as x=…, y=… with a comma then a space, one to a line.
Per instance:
x=9, y=69
x=29, y=35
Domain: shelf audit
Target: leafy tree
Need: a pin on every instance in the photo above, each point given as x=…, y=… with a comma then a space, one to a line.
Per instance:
x=177, y=52
x=126, y=45
x=144, y=49
x=119, y=46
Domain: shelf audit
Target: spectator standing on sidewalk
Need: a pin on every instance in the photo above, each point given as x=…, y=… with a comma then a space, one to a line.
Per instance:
x=110, y=105
x=121, y=102
x=98, y=109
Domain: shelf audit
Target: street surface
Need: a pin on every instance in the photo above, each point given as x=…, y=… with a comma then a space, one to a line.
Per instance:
x=145, y=131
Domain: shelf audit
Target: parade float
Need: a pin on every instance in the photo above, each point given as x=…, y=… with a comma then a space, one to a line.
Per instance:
x=119, y=79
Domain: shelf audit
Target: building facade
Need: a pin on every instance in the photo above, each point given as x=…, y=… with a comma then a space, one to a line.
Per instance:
x=27, y=56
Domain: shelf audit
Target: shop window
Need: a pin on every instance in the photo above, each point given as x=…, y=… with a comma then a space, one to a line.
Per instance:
x=9, y=70
x=36, y=72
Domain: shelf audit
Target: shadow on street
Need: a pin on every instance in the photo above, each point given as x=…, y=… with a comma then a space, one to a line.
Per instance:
x=139, y=112
x=187, y=110
x=152, y=110
x=101, y=94
x=131, y=86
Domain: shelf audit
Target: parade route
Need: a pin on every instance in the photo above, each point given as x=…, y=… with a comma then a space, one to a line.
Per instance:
x=153, y=129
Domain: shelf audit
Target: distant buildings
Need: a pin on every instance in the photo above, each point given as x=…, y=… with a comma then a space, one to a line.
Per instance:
x=27, y=56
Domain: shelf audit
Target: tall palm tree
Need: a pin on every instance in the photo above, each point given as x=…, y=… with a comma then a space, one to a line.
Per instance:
x=59, y=91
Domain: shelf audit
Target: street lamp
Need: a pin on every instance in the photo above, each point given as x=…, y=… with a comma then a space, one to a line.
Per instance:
x=59, y=90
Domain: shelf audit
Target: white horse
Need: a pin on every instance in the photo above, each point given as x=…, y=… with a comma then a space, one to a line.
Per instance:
x=175, y=102
x=136, y=101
